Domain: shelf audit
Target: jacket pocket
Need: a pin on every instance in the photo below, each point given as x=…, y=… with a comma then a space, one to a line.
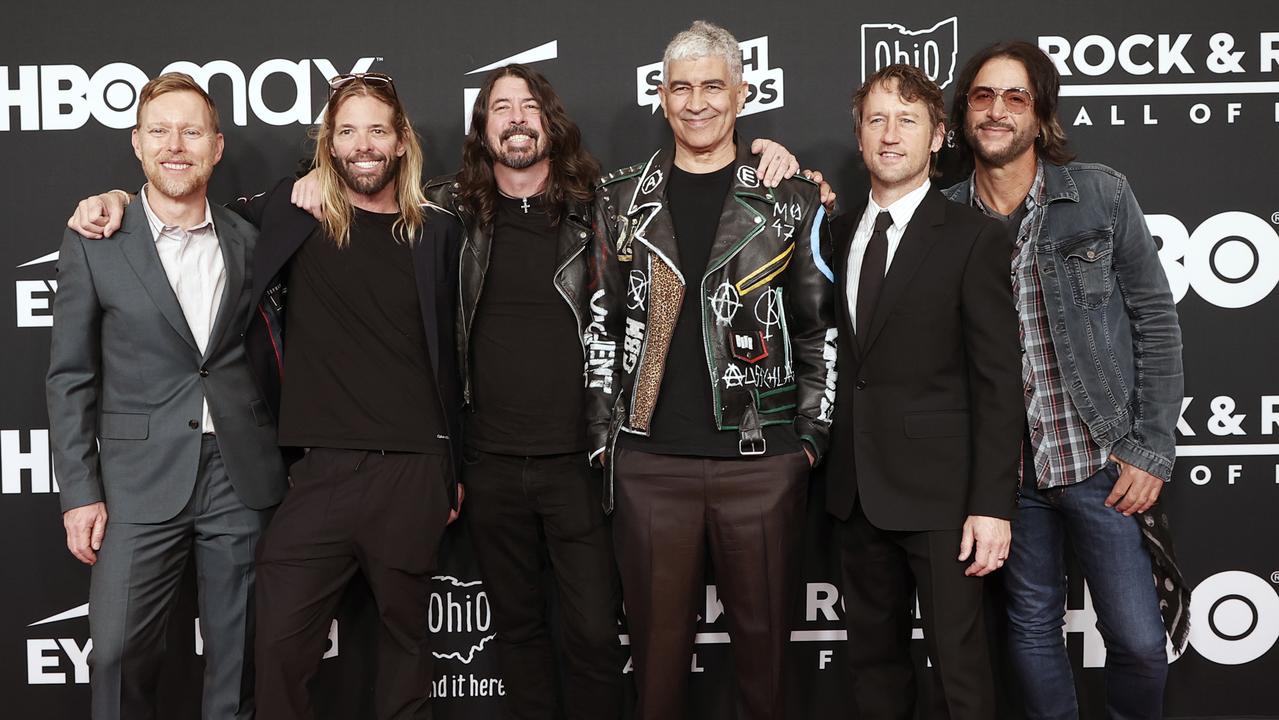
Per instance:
x=1087, y=260
x=261, y=413
x=124, y=426
x=951, y=423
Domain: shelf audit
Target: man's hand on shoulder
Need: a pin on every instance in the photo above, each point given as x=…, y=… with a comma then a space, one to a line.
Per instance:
x=986, y=540
x=776, y=163
x=99, y=216
x=306, y=194
x=86, y=526
x=827, y=193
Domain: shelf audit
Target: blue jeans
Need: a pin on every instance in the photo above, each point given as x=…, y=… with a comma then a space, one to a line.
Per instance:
x=1116, y=566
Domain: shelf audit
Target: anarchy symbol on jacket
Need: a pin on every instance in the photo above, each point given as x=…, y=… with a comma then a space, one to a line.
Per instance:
x=724, y=303
x=637, y=290
x=768, y=310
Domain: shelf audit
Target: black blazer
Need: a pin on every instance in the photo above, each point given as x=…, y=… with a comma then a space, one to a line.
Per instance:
x=928, y=411
x=284, y=228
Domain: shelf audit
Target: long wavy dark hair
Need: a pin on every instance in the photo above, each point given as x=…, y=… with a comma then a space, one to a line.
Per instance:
x=573, y=170
x=1045, y=84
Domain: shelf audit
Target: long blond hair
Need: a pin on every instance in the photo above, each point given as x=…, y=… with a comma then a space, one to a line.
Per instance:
x=337, y=206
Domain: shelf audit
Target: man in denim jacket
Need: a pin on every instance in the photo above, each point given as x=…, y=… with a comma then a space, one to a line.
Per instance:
x=1102, y=381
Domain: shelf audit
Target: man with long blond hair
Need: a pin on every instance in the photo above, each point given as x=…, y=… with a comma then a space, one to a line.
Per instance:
x=372, y=397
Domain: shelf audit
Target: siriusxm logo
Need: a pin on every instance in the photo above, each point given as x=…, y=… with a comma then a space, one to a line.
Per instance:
x=545, y=51
x=767, y=86
x=65, y=97
x=932, y=50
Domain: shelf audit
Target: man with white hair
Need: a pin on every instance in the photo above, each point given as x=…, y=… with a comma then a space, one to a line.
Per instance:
x=719, y=292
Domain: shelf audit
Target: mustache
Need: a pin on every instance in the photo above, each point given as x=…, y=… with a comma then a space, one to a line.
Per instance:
x=533, y=135
x=992, y=125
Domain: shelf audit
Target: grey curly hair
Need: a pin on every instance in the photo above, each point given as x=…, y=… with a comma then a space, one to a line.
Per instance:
x=705, y=39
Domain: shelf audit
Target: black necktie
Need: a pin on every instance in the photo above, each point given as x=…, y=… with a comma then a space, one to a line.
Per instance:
x=871, y=279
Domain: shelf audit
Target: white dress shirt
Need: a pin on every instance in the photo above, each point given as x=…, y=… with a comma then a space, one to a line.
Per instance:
x=192, y=260
x=901, y=211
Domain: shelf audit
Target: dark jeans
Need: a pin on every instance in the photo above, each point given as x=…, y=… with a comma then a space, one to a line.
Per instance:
x=1117, y=568
x=522, y=512
x=348, y=511
x=749, y=514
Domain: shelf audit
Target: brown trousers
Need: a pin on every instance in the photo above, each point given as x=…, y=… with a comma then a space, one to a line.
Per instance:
x=749, y=514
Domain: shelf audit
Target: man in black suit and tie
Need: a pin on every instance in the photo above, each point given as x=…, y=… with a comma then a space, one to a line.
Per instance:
x=164, y=448
x=924, y=446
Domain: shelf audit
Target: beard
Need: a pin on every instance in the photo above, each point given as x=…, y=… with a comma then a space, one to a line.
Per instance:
x=173, y=187
x=1018, y=143
x=520, y=159
x=364, y=183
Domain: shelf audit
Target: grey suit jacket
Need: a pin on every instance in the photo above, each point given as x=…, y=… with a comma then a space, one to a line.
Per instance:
x=126, y=379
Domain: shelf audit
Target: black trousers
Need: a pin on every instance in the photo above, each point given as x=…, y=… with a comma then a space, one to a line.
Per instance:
x=749, y=513
x=349, y=510
x=881, y=569
x=523, y=513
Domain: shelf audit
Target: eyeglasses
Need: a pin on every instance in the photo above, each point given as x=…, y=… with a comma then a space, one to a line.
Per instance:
x=371, y=79
x=1016, y=99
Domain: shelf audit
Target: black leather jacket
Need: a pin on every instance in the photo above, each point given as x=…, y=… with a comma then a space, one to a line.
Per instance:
x=766, y=301
x=576, y=278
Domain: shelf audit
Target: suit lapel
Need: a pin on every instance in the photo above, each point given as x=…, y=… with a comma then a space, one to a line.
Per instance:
x=138, y=247
x=233, y=258
x=843, y=230
x=915, y=244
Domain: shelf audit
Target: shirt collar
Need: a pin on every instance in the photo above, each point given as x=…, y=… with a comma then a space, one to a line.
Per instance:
x=903, y=209
x=1034, y=198
x=159, y=228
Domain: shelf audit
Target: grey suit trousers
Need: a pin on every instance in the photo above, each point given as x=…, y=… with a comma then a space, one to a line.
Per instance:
x=134, y=585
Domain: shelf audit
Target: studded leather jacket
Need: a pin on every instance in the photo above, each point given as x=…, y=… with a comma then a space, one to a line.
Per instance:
x=576, y=279
x=766, y=302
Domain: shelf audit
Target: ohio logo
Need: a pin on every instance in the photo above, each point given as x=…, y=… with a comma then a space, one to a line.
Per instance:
x=64, y=97
x=932, y=50
x=460, y=618
x=766, y=85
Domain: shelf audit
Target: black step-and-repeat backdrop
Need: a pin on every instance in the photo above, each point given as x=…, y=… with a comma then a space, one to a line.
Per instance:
x=1184, y=99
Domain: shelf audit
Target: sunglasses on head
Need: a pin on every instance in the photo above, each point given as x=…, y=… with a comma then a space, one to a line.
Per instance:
x=370, y=79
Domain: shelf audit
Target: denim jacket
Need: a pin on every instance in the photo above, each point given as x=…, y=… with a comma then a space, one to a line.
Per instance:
x=1114, y=322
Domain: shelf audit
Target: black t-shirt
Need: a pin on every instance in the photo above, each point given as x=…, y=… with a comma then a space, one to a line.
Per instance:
x=356, y=373
x=526, y=359
x=684, y=420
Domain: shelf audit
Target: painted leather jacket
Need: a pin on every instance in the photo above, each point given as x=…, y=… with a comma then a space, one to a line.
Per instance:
x=766, y=303
x=573, y=273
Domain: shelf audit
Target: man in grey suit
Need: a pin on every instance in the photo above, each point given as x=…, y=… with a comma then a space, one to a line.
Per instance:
x=163, y=447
